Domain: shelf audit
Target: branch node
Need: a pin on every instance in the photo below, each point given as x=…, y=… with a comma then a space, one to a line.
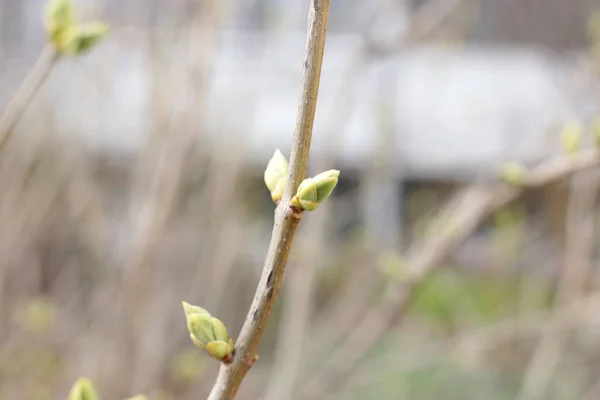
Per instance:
x=228, y=358
x=296, y=212
x=250, y=362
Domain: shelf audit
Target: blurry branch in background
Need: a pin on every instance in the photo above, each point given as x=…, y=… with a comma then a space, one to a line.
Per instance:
x=24, y=95
x=156, y=191
x=338, y=315
x=471, y=346
x=576, y=271
x=66, y=36
x=593, y=393
x=454, y=223
x=296, y=309
x=298, y=298
x=286, y=217
x=298, y=301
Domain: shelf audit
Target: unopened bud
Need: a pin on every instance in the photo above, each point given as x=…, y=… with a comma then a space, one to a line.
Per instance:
x=513, y=173
x=58, y=16
x=83, y=389
x=276, y=175
x=313, y=191
x=85, y=37
x=208, y=333
x=67, y=36
x=571, y=137
x=200, y=325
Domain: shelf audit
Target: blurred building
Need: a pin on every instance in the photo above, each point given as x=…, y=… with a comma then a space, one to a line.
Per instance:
x=492, y=83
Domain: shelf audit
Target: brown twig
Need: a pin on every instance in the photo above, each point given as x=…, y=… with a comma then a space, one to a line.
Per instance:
x=157, y=190
x=298, y=302
x=458, y=220
x=576, y=269
x=18, y=105
x=576, y=315
x=30, y=86
x=295, y=319
x=286, y=220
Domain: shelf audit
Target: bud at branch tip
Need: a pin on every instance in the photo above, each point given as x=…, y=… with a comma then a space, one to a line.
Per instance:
x=313, y=191
x=276, y=175
x=209, y=333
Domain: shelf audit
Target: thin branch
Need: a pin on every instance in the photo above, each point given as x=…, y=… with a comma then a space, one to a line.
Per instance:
x=295, y=320
x=574, y=316
x=298, y=303
x=457, y=221
x=577, y=266
x=22, y=98
x=286, y=219
x=156, y=191
x=17, y=107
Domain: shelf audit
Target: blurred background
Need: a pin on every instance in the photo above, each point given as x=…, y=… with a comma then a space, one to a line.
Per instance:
x=134, y=182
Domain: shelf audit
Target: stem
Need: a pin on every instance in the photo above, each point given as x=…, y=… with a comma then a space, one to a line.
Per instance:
x=30, y=86
x=17, y=106
x=577, y=268
x=286, y=219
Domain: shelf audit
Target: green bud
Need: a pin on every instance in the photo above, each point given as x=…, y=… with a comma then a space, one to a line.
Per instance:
x=218, y=349
x=313, y=191
x=190, y=309
x=306, y=196
x=85, y=37
x=276, y=175
x=83, y=389
x=513, y=173
x=197, y=342
x=65, y=34
x=326, y=182
x=208, y=333
x=58, y=17
x=201, y=326
x=571, y=137
x=277, y=194
x=219, y=330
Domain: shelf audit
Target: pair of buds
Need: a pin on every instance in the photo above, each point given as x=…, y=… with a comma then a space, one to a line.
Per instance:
x=209, y=333
x=65, y=33
x=572, y=137
x=311, y=192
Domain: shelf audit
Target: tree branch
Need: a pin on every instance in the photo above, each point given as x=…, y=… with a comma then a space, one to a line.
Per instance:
x=457, y=220
x=286, y=219
x=577, y=269
x=30, y=86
